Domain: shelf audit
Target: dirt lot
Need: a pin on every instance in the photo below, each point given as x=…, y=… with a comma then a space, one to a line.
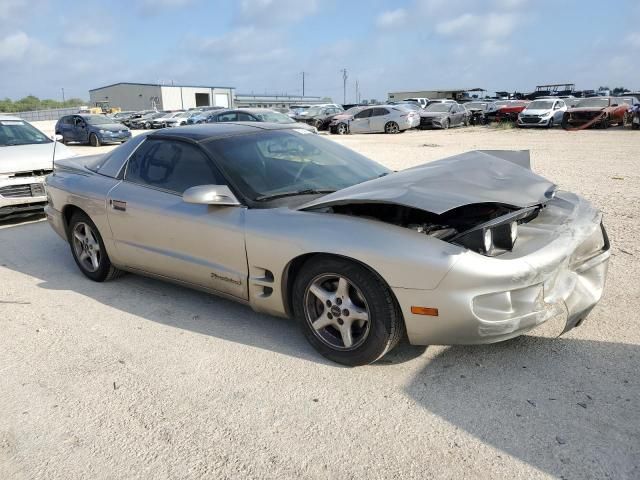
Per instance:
x=141, y=379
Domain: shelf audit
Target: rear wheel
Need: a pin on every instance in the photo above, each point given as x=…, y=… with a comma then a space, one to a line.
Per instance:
x=391, y=127
x=88, y=249
x=94, y=140
x=347, y=313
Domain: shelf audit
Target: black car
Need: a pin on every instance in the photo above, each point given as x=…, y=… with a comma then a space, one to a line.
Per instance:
x=477, y=112
x=254, y=115
x=318, y=116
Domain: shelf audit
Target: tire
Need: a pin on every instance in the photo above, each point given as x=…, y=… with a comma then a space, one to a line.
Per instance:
x=606, y=122
x=635, y=126
x=94, y=140
x=626, y=120
x=99, y=270
x=391, y=128
x=318, y=124
x=550, y=124
x=342, y=129
x=465, y=122
x=147, y=126
x=363, y=294
x=446, y=124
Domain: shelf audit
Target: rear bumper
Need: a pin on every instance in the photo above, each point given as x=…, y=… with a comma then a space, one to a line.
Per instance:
x=559, y=275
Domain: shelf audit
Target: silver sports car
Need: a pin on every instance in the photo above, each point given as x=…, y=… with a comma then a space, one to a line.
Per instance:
x=475, y=248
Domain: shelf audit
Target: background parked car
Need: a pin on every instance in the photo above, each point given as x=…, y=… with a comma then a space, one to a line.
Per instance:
x=384, y=118
x=92, y=129
x=136, y=116
x=180, y=119
x=145, y=120
x=340, y=123
x=319, y=116
x=161, y=122
x=477, y=112
x=597, y=111
x=422, y=102
x=256, y=115
x=510, y=111
x=444, y=115
x=26, y=157
x=120, y=117
x=542, y=113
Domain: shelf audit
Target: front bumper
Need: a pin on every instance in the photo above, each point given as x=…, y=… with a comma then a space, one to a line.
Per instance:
x=431, y=122
x=556, y=272
x=22, y=196
x=116, y=138
x=533, y=121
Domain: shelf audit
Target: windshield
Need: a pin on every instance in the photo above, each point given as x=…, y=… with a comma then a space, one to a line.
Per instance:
x=282, y=162
x=273, y=117
x=314, y=111
x=97, y=120
x=540, y=105
x=593, y=102
x=354, y=110
x=19, y=132
x=438, y=107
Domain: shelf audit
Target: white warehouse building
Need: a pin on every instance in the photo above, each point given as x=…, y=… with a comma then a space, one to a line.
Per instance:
x=143, y=96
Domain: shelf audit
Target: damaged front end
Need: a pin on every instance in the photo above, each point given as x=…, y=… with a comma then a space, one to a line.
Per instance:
x=528, y=252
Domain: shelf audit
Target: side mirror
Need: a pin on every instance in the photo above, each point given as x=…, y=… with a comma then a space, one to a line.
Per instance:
x=57, y=137
x=210, y=195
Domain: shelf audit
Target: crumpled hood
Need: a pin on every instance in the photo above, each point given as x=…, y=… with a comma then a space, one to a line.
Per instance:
x=440, y=186
x=587, y=109
x=23, y=158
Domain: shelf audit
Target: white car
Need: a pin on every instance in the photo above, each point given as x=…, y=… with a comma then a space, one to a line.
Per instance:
x=542, y=113
x=422, y=101
x=384, y=118
x=26, y=157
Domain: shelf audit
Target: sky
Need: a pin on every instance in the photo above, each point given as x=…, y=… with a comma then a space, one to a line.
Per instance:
x=263, y=46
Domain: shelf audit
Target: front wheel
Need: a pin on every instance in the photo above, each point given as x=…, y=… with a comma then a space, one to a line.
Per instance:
x=347, y=313
x=391, y=127
x=94, y=140
x=342, y=129
x=446, y=124
x=550, y=124
x=88, y=249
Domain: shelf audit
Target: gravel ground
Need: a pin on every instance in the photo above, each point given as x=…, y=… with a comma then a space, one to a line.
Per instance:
x=142, y=379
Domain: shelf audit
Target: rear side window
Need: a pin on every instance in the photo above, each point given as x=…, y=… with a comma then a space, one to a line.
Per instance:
x=171, y=165
x=111, y=164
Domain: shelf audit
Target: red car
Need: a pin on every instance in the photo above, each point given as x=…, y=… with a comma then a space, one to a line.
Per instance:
x=510, y=111
x=598, y=111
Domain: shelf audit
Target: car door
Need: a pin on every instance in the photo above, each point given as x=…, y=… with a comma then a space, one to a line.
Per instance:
x=558, y=111
x=378, y=119
x=155, y=231
x=360, y=122
x=80, y=129
x=65, y=127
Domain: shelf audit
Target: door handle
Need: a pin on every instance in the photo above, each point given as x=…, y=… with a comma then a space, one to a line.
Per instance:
x=118, y=205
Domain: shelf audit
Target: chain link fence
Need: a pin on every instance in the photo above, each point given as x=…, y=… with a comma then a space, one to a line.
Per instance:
x=36, y=115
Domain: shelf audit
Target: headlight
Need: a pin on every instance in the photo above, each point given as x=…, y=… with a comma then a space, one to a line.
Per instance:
x=488, y=240
x=102, y=131
x=546, y=115
x=514, y=232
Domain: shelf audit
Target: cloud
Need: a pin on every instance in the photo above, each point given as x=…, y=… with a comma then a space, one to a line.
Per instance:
x=14, y=47
x=244, y=45
x=275, y=12
x=509, y=4
x=86, y=36
x=634, y=39
x=392, y=18
x=492, y=25
x=456, y=25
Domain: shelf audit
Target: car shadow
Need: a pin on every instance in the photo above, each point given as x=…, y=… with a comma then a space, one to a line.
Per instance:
x=568, y=407
x=35, y=250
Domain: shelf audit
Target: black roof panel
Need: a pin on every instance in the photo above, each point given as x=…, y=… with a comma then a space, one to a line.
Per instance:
x=213, y=131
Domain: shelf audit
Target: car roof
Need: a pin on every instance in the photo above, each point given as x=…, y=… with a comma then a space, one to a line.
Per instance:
x=214, y=131
x=9, y=117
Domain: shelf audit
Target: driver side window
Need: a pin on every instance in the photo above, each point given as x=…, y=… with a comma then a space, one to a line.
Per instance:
x=171, y=165
x=364, y=114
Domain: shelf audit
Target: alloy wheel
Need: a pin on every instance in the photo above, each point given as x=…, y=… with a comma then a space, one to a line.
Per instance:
x=86, y=247
x=337, y=312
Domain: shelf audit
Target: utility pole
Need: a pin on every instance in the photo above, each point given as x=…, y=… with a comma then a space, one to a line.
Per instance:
x=303, y=74
x=357, y=92
x=63, y=96
x=344, y=85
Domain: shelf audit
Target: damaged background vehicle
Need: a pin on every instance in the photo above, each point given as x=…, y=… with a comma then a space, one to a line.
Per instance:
x=596, y=111
x=26, y=157
x=475, y=248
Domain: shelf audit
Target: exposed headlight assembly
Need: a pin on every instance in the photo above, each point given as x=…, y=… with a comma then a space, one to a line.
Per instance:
x=495, y=236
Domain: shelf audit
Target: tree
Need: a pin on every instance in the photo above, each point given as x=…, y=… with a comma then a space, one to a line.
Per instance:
x=32, y=102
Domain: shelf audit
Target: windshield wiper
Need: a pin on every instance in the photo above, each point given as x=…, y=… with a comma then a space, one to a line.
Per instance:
x=309, y=191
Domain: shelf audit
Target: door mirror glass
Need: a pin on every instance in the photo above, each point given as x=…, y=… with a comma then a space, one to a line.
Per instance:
x=210, y=195
x=57, y=137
